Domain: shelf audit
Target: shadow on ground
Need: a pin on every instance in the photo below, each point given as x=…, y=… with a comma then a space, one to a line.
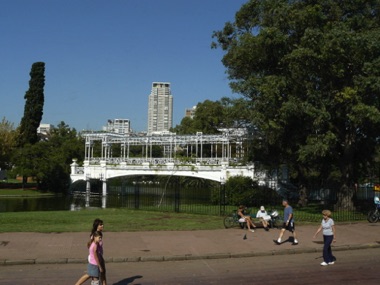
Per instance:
x=128, y=280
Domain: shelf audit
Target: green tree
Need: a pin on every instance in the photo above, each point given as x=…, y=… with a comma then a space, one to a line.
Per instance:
x=236, y=113
x=48, y=161
x=63, y=145
x=208, y=117
x=34, y=104
x=185, y=127
x=242, y=190
x=67, y=143
x=311, y=71
x=7, y=143
x=213, y=115
x=29, y=159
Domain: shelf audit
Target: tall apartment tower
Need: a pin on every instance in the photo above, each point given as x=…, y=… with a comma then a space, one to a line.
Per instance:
x=160, y=108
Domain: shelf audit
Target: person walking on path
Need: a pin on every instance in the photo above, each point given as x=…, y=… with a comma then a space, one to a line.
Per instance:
x=329, y=237
x=94, y=267
x=97, y=226
x=288, y=223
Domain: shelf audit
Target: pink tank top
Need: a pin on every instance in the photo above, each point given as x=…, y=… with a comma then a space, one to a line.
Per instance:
x=91, y=257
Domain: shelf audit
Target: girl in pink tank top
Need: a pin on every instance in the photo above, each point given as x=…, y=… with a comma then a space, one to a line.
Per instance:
x=94, y=267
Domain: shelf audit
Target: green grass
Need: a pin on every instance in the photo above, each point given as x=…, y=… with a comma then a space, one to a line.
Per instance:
x=12, y=180
x=157, y=219
x=118, y=220
x=313, y=214
x=21, y=192
x=115, y=220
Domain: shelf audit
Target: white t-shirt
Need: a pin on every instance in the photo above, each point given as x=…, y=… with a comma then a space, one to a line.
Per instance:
x=263, y=215
x=327, y=227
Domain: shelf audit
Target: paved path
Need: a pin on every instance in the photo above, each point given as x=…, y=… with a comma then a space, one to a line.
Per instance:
x=39, y=248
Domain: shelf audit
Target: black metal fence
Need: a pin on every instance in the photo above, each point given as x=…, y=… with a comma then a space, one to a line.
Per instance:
x=171, y=198
x=213, y=200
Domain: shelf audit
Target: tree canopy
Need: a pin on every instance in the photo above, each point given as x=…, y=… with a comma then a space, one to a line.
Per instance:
x=48, y=161
x=210, y=116
x=7, y=143
x=310, y=70
x=34, y=104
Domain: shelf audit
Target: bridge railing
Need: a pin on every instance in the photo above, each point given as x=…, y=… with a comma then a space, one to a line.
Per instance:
x=158, y=161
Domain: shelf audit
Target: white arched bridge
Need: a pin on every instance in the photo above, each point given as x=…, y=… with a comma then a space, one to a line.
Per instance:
x=213, y=157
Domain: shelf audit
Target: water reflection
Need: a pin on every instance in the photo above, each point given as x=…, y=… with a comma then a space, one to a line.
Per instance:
x=56, y=203
x=117, y=197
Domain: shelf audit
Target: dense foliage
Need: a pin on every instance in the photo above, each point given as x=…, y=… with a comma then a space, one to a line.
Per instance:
x=310, y=70
x=7, y=143
x=34, y=104
x=48, y=161
x=211, y=116
x=240, y=190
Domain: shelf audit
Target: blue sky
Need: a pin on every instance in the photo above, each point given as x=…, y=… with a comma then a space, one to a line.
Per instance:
x=102, y=56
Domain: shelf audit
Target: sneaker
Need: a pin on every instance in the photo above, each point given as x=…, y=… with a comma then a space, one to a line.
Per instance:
x=295, y=243
x=252, y=231
x=324, y=263
x=276, y=242
x=331, y=263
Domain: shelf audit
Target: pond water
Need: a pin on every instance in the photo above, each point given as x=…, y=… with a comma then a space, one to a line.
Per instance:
x=146, y=198
x=58, y=203
x=141, y=197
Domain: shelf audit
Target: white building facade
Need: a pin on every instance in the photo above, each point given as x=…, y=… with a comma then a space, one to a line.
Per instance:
x=190, y=112
x=44, y=129
x=119, y=126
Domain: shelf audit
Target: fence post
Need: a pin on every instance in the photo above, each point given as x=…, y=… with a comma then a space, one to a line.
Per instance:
x=222, y=199
x=137, y=194
x=176, y=196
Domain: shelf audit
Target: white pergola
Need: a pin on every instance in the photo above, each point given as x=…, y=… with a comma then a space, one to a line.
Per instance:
x=221, y=145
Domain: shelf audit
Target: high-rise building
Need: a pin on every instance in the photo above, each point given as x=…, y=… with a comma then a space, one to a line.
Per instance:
x=160, y=108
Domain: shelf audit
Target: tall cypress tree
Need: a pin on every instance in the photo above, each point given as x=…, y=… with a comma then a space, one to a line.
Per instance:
x=34, y=104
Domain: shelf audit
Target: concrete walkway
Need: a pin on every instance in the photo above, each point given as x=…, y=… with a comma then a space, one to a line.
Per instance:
x=39, y=248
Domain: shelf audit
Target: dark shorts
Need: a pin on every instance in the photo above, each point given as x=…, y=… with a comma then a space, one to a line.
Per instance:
x=290, y=227
x=103, y=264
x=92, y=270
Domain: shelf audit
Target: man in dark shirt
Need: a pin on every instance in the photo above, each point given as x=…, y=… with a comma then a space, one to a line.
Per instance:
x=288, y=223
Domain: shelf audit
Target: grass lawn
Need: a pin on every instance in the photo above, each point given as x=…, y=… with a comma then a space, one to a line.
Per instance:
x=122, y=219
x=20, y=192
x=115, y=220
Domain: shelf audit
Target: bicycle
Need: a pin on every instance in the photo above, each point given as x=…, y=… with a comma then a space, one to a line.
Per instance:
x=374, y=215
x=233, y=220
x=275, y=220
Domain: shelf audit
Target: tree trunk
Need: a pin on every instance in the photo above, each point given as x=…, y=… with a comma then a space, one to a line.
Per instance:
x=24, y=181
x=345, y=199
x=302, y=202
